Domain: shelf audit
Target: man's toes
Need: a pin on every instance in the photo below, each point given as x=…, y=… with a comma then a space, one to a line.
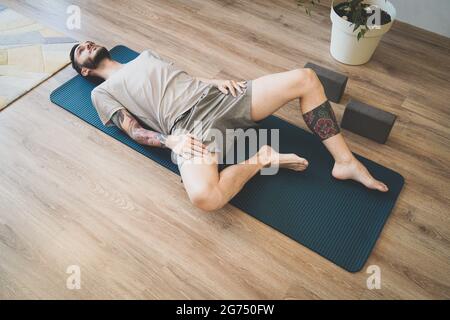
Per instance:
x=302, y=164
x=380, y=186
x=299, y=167
x=301, y=160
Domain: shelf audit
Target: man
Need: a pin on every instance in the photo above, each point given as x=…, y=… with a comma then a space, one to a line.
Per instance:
x=151, y=92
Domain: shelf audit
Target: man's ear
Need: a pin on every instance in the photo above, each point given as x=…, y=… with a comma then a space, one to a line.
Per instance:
x=85, y=71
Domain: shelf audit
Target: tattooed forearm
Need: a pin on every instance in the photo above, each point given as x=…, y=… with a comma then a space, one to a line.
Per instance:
x=126, y=122
x=147, y=137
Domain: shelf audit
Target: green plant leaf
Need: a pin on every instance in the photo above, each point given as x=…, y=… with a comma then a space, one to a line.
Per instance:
x=354, y=10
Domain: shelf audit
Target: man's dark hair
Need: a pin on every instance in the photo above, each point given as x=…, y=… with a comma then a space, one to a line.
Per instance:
x=75, y=64
x=77, y=67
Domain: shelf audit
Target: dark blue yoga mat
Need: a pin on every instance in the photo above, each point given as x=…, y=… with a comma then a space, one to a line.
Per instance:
x=340, y=220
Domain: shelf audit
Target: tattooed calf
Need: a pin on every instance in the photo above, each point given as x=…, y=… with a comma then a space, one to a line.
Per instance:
x=322, y=121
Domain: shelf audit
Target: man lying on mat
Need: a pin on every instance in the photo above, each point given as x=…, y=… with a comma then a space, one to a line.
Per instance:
x=182, y=109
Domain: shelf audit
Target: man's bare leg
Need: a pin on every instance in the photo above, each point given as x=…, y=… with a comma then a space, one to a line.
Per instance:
x=210, y=190
x=271, y=92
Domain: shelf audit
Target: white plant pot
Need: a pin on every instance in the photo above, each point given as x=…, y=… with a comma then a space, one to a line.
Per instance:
x=345, y=46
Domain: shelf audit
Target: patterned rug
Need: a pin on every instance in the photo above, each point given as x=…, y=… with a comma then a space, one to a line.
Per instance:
x=29, y=54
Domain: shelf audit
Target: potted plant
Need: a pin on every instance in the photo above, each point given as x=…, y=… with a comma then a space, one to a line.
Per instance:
x=358, y=26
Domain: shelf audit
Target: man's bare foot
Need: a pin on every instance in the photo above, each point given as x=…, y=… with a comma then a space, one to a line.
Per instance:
x=284, y=160
x=355, y=170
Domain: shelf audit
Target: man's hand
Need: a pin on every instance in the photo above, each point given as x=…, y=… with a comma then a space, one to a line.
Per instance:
x=186, y=145
x=232, y=86
x=226, y=86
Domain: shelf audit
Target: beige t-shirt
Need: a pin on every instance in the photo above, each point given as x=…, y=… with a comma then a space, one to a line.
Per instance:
x=150, y=88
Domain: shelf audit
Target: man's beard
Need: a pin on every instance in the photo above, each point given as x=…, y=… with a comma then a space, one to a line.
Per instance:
x=101, y=54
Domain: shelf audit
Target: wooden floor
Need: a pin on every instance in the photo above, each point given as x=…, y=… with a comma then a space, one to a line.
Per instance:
x=71, y=195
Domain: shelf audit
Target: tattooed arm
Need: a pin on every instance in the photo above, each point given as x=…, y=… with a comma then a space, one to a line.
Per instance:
x=126, y=122
x=185, y=145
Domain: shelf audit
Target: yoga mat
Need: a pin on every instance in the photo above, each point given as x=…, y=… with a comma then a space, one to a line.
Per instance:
x=340, y=220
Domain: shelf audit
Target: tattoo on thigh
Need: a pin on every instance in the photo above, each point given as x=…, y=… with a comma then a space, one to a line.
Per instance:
x=322, y=121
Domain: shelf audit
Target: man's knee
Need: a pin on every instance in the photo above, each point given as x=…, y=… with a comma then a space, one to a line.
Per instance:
x=307, y=79
x=208, y=198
